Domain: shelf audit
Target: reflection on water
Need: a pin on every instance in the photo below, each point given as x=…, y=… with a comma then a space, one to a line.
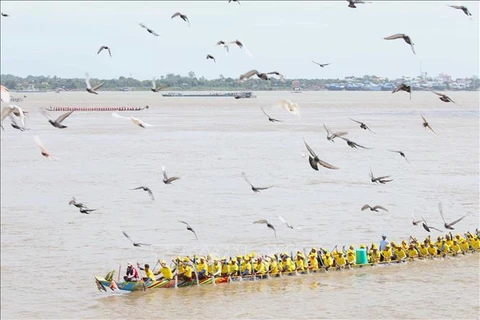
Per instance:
x=208, y=143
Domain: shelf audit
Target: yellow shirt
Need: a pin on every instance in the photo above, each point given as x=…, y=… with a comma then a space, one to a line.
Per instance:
x=202, y=266
x=290, y=266
x=412, y=253
x=340, y=259
x=387, y=254
x=166, y=272
x=246, y=266
x=423, y=250
x=445, y=248
x=464, y=245
x=432, y=250
x=374, y=256
x=150, y=275
x=260, y=268
x=313, y=262
x=351, y=258
x=475, y=243
x=456, y=248
x=233, y=268
x=273, y=269
x=327, y=260
x=400, y=253
x=188, y=271
x=300, y=264
x=225, y=268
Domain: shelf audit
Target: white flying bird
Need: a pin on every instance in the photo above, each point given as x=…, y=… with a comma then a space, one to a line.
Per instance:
x=137, y=121
x=44, y=151
x=4, y=94
x=290, y=106
x=16, y=110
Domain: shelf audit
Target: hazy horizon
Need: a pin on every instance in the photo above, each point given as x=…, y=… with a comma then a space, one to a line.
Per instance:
x=39, y=39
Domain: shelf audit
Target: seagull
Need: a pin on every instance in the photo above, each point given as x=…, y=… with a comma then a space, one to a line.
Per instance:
x=136, y=121
x=190, y=228
x=314, y=160
x=353, y=144
x=254, y=189
x=415, y=222
x=321, y=64
x=463, y=8
x=448, y=225
x=58, y=122
x=209, y=56
x=146, y=189
x=401, y=153
x=5, y=15
x=76, y=204
x=331, y=136
x=263, y=76
x=15, y=125
x=270, y=118
x=225, y=45
x=106, y=48
x=16, y=110
x=135, y=244
x=149, y=30
x=44, y=151
x=286, y=223
x=155, y=88
x=351, y=3
x=89, y=87
x=427, y=227
x=268, y=225
x=362, y=125
x=184, y=17
x=403, y=87
x=402, y=36
x=241, y=46
x=444, y=97
x=381, y=180
x=86, y=210
x=166, y=179
x=426, y=124
x=375, y=208
x=234, y=1
x=291, y=107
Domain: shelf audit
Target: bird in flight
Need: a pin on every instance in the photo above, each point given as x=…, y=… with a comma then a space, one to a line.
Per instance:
x=209, y=56
x=375, y=208
x=150, y=193
x=331, y=136
x=225, y=45
x=5, y=15
x=352, y=144
x=362, y=125
x=403, y=87
x=401, y=153
x=321, y=64
x=290, y=106
x=286, y=223
x=381, y=180
x=234, y=1
x=76, y=204
x=182, y=16
x=426, y=124
x=263, y=76
x=402, y=36
x=463, y=8
x=254, y=189
x=270, y=118
x=86, y=210
x=166, y=179
x=44, y=151
x=314, y=160
x=444, y=97
x=241, y=46
x=16, y=110
x=156, y=88
x=136, y=121
x=106, y=48
x=448, y=225
x=190, y=228
x=14, y=124
x=89, y=87
x=149, y=30
x=269, y=225
x=57, y=123
x=415, y=222
x=135, y=244
x=427, y=227
x=351, y=3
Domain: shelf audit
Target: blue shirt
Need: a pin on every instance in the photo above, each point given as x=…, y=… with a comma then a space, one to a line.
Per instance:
x=383, y=244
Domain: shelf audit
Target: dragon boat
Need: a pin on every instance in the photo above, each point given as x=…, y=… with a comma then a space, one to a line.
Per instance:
x=106, y=282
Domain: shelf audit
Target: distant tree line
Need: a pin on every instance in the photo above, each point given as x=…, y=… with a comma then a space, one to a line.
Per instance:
x=177, y=82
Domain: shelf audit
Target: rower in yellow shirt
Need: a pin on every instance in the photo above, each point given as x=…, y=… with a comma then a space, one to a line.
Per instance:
x=351, y=257
x=387, y=253
x=165, y=270
x=412, y=252
x=432, y=250
x=233, y=270
x=300, y=262
x=327, y=259
x=246, y=267
x=374, y=255
x=260, y=268
x=455, y=248
x=422, y=250
x=313, y=261
x=202, y=268
x=148, y=272
x=399, y=253
x=273, y=269
x=187, y=271
x=225, y=267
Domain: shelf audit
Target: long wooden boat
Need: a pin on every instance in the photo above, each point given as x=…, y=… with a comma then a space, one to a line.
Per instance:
x=103, y=284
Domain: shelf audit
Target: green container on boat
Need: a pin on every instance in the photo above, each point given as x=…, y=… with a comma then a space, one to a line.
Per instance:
x=361, y=256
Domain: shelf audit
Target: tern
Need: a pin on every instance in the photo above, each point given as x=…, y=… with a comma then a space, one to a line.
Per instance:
x=89, y=87
x=44, y=151
x=149, y=30
x=331, y=136
x=166, y=179
x=147, y=189
x=270, y=118
x=106, y=48
x=254, y=189
x=375, y=208
x=57, y=123
x=135, y=244
x=448, y=225
x=314, y=160
x=269, y=225
x=136, y=121
x=403, y=36
x=189, y=228
x=182, y=16
x=323, y=65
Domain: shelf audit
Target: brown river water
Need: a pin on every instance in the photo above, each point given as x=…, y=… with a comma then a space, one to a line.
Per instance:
x=50, y=252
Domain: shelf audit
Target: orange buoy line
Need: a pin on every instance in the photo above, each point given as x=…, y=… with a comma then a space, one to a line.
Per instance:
x=77, y=108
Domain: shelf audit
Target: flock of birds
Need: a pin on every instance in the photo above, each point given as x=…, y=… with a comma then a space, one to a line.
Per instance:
x=315, y=162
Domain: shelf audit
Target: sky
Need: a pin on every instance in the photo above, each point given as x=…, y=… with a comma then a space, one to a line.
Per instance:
x=62, y=38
